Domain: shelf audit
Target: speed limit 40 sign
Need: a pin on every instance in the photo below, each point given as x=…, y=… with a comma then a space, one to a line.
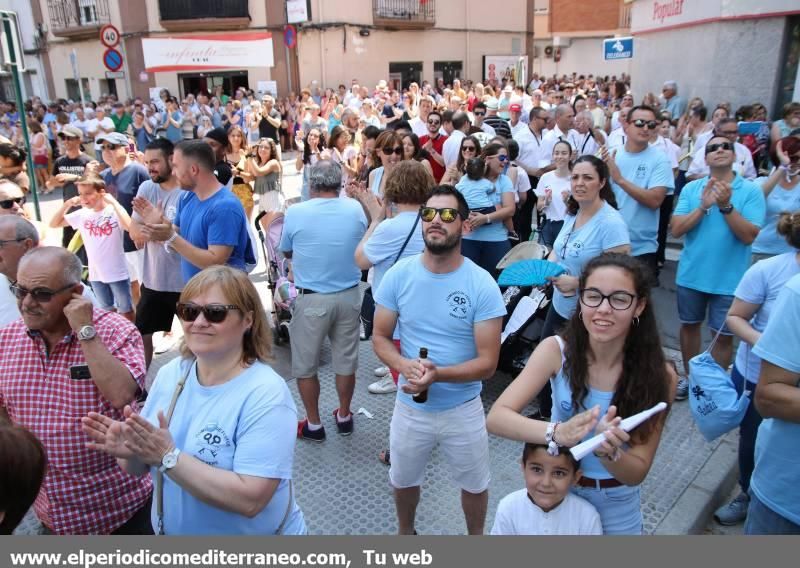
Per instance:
x=109, y=36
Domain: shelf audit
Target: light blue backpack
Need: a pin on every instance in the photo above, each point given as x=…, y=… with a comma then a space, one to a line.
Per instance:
x=716, y=406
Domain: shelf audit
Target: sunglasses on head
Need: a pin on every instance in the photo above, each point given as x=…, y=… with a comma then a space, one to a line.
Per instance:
x=9, y=203
x=389, y=151
x=214, y=313
x=42, y=295
x=446, y=214
x=641, y=123
x=718, y=146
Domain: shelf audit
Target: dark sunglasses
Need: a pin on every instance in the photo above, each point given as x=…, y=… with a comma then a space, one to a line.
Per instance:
x=389, y=151
x=9, y=203
x=500, y=157
x=109, y=146
x=214, y=313
x=479, y=113
x=436, y=122
x=641, y=123
x=727, y=133
x=446, y=214
x=718, y=146
x=42, y=295
x=593, y=298
x=468, y=149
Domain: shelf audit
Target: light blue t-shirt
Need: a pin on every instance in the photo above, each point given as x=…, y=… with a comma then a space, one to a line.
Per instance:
x=376, y=181
x=713, y=259
x=439, y=312
x=777, y=472
x=646, y=169
x=247, y=425
x=494, y=232
x=574, y=248
x=779, y=200
x=478, y=193
x=173, y=133
x=386, y=241
x=322, y=234
x=761, y=284
x=218, y=220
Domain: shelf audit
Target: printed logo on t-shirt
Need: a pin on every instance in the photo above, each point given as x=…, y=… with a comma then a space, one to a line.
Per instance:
x=170, y=212
x=101, y=226
x=574, y=249
x=459, y=304
x=210, y=440
x=566, y=406
x=641, y=171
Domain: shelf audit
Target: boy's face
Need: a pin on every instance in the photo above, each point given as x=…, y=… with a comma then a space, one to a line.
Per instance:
x=90, y=197
x=548, y=478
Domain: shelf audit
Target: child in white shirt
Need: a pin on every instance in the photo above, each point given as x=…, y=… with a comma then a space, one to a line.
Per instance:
x=546, y=506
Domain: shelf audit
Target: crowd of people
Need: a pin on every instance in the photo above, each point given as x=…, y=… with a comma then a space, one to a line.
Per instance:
x=419, y=191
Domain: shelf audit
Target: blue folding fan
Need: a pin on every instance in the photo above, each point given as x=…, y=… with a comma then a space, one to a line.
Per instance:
x=529, y=273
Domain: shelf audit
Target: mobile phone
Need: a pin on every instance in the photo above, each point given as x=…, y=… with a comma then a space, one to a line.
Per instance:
x=750, y=127
x=131, y=147
x=80, y=373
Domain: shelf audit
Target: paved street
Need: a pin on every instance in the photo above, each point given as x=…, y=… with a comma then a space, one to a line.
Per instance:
x=343, y=488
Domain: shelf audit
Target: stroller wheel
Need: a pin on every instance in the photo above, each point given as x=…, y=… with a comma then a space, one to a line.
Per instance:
x=282, y=333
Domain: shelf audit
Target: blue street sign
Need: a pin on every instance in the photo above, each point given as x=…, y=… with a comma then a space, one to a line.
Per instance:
x=618, y=48
x=112, y=59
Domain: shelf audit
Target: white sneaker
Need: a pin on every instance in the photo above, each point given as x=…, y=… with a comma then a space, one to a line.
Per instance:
x=384, y=386
x=381, y=371
x=163, y=342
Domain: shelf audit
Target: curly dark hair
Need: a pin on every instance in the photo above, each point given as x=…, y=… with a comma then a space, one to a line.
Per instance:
x=307, y=148
x=644, y=380
x=606, y=193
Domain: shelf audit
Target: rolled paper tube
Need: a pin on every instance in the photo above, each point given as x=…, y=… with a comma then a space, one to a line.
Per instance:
x=584, y=448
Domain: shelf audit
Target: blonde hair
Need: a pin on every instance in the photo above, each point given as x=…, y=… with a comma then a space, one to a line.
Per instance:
x=238, y=290
x=789, y=228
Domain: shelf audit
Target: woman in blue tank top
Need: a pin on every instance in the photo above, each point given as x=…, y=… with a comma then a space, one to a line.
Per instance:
x=606, y=364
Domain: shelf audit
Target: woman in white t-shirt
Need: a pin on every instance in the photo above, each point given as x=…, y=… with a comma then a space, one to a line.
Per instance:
x=553, y=191
x=343, y=153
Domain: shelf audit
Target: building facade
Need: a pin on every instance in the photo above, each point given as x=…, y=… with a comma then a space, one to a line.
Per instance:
x=33, y=78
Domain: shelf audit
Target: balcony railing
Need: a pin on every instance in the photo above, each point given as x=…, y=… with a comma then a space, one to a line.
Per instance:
x=625, y=14
x=404, y=13
x=77, y=18
x=204, y=14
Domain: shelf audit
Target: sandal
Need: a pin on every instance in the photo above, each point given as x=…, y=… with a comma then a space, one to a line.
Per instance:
x=383, y=457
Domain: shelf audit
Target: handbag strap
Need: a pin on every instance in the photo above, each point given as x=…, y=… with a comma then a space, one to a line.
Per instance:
x=408, y=238
x=159, y=473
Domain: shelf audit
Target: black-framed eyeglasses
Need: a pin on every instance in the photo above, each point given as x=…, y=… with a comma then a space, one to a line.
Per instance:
x=41, y=295
x=389, y=151
x=641, y=123
x=3, y=243
x=446, y=214
x=9, y=203
x=619, y=300
x=214, y=313
x=719, y=146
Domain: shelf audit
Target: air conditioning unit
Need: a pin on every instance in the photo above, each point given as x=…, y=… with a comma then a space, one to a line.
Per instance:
x=548, y=51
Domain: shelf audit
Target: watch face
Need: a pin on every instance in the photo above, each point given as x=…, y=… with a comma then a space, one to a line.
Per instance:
x=86, y=332
x=169, y=460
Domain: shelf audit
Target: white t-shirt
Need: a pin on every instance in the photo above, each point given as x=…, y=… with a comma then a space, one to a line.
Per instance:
x=518, y=515
x=616, y=139
x=742, y=166
x=670, y=149
x=452, y=146
x=102, y=238
x=557, y=209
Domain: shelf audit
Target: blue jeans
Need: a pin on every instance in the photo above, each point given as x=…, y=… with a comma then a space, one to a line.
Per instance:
x=747, y=431
x=550, y=231
x=763, y=520
x=620, y=508
x=111, y=294
x=485, y=254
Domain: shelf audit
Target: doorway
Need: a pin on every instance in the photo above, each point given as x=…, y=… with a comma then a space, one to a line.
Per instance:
x=447, y=71
x=409, y=73
x=206, y=82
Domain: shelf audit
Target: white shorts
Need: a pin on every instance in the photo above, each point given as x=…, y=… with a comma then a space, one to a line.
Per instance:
x=460, y=434
x=135, y=262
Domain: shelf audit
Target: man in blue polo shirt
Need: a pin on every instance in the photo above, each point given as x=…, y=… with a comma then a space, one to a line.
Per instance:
x=721, y=216
x=320, y=236
x=640, y=176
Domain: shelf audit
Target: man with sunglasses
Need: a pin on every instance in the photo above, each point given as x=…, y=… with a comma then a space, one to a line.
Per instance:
x=320, y=236
x=729, y=128
x=17, y=236
x=721, y=216
x=12, y=199
x=479, y=112
x=446, y=304
x=433, y=142
x=62, y=360
x=452, y=146
x=641, y=176
x=533, y=160
x=419, y=124
x=67, y=169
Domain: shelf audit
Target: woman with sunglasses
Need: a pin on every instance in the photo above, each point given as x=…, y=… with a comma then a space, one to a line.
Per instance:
x=388, y=153
x=782, y=192
x=470, y=148
x=553, y=191
x=487, y=241
x=607, y=364
x=309, y=153
x=219, y=425
x=413, y=151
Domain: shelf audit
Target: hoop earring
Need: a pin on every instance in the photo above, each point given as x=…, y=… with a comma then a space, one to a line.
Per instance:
x=636, y=321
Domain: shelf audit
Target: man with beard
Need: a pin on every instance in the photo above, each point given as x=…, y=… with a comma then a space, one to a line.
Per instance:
x=449, y=306
x=161, y=279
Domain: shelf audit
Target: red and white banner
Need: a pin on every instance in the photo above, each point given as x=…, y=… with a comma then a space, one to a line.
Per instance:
x=214, y=51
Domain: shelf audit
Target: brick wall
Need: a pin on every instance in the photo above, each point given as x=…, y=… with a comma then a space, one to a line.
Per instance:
x=583, y=15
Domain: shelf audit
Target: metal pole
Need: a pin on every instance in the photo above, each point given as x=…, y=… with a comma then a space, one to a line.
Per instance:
x=76, y=73
x=13, y=66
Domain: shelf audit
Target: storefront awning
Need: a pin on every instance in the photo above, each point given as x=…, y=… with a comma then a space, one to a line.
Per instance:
x=213, y=51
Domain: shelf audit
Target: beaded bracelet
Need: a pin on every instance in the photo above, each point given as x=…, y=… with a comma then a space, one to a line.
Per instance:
x=549, y=437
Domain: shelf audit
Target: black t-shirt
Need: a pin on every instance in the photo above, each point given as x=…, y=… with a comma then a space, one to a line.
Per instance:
x=266, y=130
x=72, y=166
x=223, y=172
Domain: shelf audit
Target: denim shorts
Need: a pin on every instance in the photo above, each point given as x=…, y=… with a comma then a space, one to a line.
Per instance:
x=114, y=294
x=763, y=520
x=693, y=305
x=620, y=508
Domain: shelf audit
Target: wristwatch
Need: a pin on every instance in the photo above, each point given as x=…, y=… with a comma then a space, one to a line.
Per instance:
x=87, y=332
x=727, y=209
x=169, y=241
x=169, y=460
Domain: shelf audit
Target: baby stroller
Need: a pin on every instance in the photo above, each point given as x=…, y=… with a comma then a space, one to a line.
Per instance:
x=526, y=310
x=278, y=277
